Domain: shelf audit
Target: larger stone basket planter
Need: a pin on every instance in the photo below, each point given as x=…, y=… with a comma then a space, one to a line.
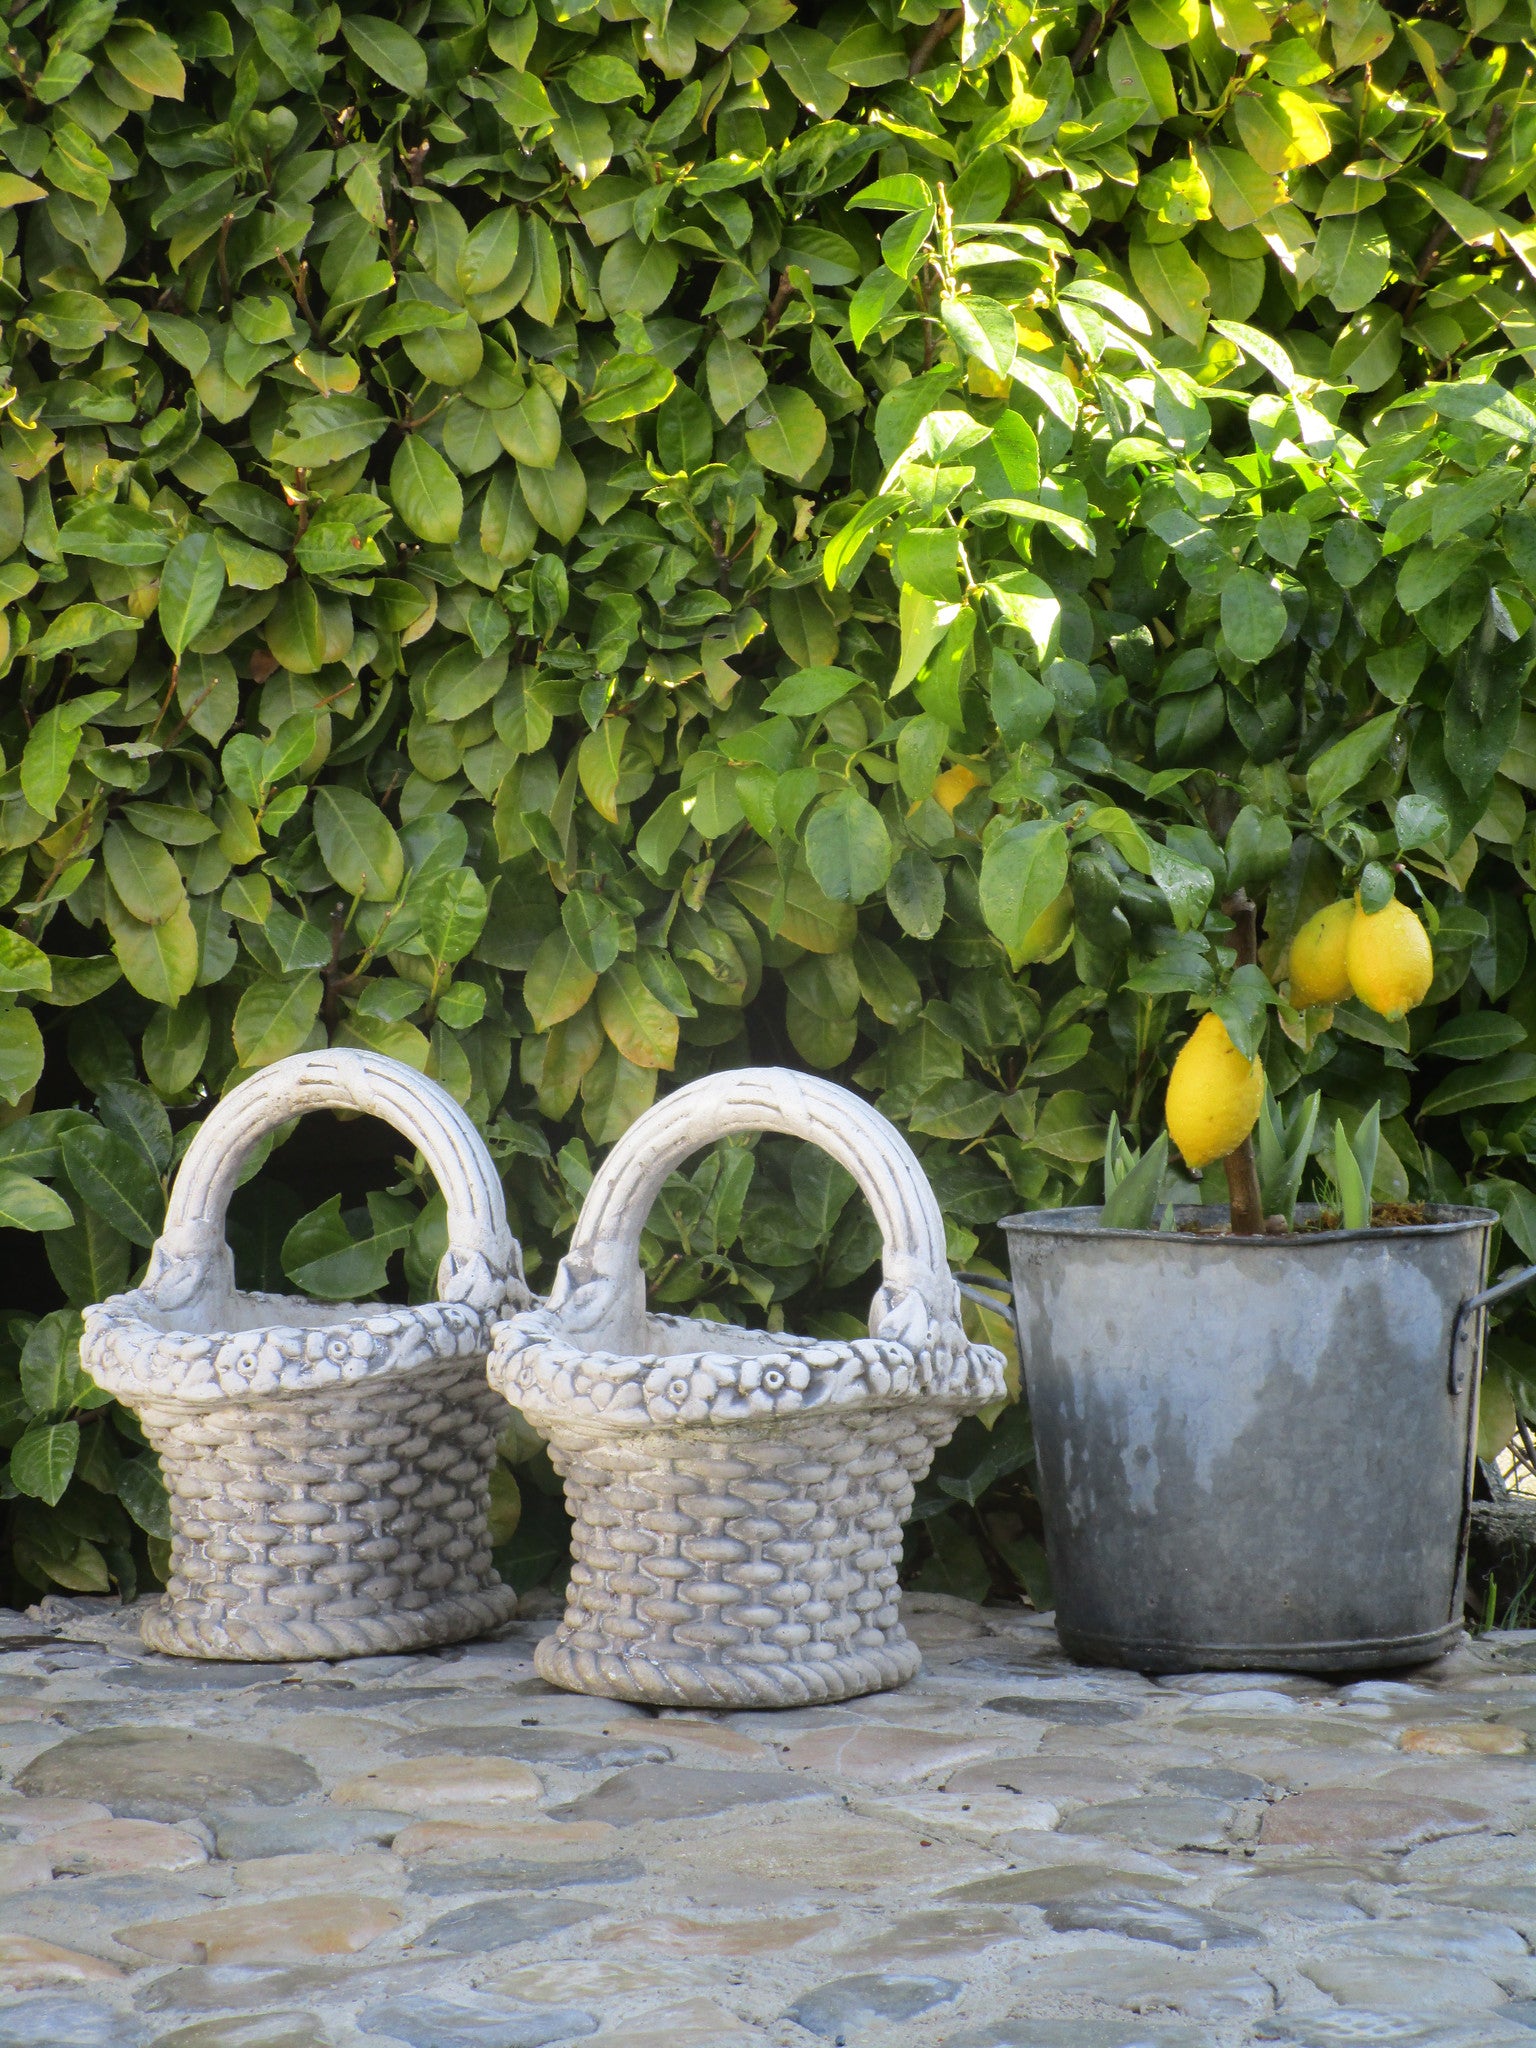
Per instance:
x=738, y=1495
x=327, y=1465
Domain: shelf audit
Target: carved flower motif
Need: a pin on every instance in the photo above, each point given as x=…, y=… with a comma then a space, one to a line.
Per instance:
x=774, y=1386
x=683, y=1390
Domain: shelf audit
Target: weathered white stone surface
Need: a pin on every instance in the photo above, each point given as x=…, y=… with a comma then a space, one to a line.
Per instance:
x=441, y=1851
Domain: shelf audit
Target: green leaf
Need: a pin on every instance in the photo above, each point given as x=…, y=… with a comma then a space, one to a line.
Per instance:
x=1352, y=258
x=142, y=1492
x=122, y=534
x=1478, y=1035
x=191, y=584
x=803, y=58
x=734, y=375
x=642, y=1028
x=80, y=626
x=915, y=894
x=597, y=764
x=359, y=846
x=388, y=50
x=452, y=913
x=144, y=875
x=43, y=1463
x=786, y=431
x=1253, y=615
x=1133, y=1203
x=426, y=492
x=1187, y=885
x=1166, y=24
x=52, y=746
x=160, y=960
x=147, y=60
x=321, y=1255
x=556, y=496
x=796, y=908
x=1173, y=285
x=26, y=1204
x=21, y=1054
x=291, y=45
x=112, y=1177
x=604, y=80
x=637, y=277
x=52, y=1379
x=1023, y=871
x=983, y=330
x=558, y=982
x=628, y=385
x=1511, y=1077
x=275, y=1017
x=1348, y=761
x=810, y=691
x=848, y=848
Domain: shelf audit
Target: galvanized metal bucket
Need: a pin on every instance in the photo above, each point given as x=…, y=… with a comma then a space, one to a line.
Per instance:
x=1254, y=1453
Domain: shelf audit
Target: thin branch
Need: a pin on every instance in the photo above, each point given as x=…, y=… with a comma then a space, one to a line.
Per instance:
x=226, y=225
x=298, y=279
x=1429, y=255
x=1247, y=1206
x=333, y=976
x=784, y=292
x=940, y=32
x=1087, y=41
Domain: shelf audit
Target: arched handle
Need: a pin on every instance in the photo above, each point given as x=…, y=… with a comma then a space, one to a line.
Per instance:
x=482, y=1266
x=600, y=1289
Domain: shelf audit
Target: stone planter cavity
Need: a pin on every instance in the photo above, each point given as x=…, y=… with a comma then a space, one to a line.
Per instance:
x=327, y=1465
x=738, y=1495
x=1254, y=1452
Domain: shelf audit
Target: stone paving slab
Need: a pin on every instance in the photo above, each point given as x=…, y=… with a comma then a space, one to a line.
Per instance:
x=441, y=1851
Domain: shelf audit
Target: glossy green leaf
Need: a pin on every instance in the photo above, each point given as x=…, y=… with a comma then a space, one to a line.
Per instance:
x=388, y=51
x=425, y=491
x=359, y=846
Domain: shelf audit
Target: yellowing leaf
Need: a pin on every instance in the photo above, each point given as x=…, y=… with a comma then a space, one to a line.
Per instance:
x=1280, y=129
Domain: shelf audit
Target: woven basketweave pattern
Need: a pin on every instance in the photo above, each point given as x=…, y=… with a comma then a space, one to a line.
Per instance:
x=328, y=1466
x=330, y=1525
x=757, y=1569
x=738, y=1495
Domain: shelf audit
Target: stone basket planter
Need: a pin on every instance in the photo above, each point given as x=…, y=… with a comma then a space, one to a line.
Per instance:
x=327, y=1464
x=738, y=1495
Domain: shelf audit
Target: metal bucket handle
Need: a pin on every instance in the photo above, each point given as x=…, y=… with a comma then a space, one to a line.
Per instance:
x=599, y=1290
x=1465, y=1331
x=482, y=1266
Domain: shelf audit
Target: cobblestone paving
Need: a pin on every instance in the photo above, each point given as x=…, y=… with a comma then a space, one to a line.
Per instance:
x=1013, y=1852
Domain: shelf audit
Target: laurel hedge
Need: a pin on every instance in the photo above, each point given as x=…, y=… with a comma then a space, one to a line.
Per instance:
x=576, y=544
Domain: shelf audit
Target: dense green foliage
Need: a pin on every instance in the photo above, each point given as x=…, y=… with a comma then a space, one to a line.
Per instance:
x=571, y=543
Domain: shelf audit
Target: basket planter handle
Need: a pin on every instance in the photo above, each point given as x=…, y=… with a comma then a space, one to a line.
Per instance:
x=191, y=1268
x=599, y=1291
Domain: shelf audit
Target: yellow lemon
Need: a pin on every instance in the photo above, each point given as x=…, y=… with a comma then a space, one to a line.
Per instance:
x=954, y=786
x=1047, y=935
x=1390, y=960
x=1318, y=970
x=1214, y=1094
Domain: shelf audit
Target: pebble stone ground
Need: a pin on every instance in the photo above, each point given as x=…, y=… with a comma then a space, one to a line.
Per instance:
x=1012, y=1852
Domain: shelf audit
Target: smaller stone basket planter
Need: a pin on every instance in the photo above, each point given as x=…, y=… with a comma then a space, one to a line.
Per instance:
x=738, y=1495
x=327, y=1464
